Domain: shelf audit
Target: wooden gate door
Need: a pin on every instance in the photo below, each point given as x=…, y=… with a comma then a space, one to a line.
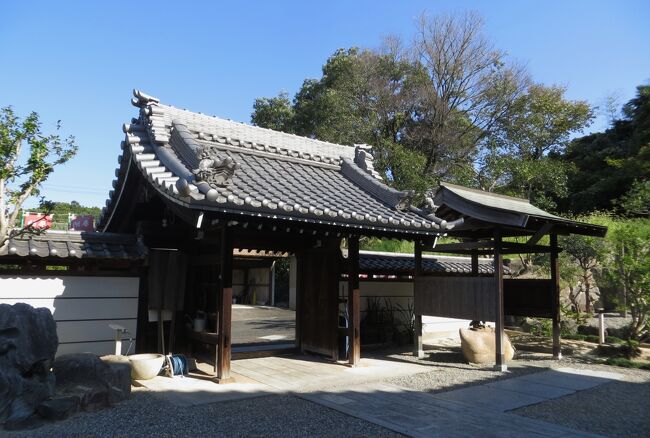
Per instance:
x=317, y=306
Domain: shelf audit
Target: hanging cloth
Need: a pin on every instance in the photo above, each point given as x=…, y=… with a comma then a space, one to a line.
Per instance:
x=167, y=278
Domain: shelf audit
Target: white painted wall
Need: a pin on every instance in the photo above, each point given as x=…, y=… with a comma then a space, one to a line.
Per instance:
x=82, y=307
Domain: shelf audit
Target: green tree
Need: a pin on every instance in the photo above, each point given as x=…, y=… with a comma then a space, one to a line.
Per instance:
x=636, y=202
x=274, y=113
x=586, y=253
x=23, y=171
x=606, y=165
x=630, y=269
x=520, y=158
x=424, y=107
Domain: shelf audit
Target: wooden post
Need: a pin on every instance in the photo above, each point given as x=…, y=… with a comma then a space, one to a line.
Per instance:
x=354, y=301
x=225, y=308
x=498, y=284
x=418, y=350
x=475, y=262
x=555, y=281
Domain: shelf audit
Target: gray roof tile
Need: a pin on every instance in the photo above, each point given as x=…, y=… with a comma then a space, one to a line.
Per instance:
x=53, y=244
x=279, y=174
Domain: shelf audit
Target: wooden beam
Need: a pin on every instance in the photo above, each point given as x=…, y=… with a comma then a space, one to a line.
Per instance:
x=474, y=255
x=555, y=280
x=545, y=229
x=224, y=311
x=444, y=247
x=418, y=350
x=487, y=248
x=498, y=284
x=354, y=301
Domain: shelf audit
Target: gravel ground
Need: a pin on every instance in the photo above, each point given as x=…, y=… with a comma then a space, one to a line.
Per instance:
x=449, y=370
x=146, y=415
x=613, y=409
x=616, y=409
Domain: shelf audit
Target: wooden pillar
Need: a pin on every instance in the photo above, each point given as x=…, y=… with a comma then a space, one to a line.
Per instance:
x=224, y=311
x=418, y=350
x=498, y=284
x=475, y=262
x=354, y=302
x=555, y=281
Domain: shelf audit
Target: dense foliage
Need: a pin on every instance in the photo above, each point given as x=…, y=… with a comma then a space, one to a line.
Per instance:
x=611, y=169
x=448, y=106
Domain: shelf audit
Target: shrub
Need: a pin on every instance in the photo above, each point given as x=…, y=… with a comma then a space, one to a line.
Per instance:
x=540, y=327
x=628, y=350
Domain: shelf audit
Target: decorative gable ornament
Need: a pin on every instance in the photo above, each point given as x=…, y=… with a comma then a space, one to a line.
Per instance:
x=214, y=171
x=364, y=159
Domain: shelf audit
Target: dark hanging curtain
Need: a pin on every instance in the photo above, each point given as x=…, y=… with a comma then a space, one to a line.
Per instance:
x=167, y=272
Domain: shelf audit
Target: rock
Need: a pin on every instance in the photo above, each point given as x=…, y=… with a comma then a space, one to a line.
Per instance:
x=92, y=397
x=28, y=343
x=96, y=382
x=569, y=326
x=479, y=345
x=28, y=423
x=59, y=408
x=119, y=378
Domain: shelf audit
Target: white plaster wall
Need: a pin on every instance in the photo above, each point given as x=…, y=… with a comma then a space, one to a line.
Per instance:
x=82, y=307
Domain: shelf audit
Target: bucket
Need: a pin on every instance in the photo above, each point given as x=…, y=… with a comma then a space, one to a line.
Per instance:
x=199, y=324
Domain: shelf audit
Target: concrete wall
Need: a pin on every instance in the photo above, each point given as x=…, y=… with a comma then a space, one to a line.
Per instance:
x=82, y=307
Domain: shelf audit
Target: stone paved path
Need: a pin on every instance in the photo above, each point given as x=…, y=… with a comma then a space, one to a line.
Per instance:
x=478, y=410
x=481, y=410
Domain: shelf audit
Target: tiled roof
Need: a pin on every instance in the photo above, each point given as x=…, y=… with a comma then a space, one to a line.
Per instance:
x=451, y=201
x=400, y=263
x=258, y=172
x=79, y=245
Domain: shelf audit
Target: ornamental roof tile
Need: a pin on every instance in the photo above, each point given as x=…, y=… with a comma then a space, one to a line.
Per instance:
x=211, y=164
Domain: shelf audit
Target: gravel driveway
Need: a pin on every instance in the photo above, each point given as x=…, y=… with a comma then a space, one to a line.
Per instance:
x=145, y=415
x=615, y=409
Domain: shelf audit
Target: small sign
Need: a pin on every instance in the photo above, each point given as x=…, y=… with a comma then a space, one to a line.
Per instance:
x=37, y=221
x=82, y=223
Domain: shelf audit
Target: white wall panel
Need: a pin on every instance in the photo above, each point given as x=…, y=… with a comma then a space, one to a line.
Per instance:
x=97, y=330
x=68, y=287
x=83, y=307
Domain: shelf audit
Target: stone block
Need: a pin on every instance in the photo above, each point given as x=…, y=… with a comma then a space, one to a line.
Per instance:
x=59, y=408
x=479, y=345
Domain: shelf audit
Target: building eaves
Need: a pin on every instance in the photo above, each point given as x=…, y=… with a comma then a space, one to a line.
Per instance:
x=282, y=176
x=76, y=245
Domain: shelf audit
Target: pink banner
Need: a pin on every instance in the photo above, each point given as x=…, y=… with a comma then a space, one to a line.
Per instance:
x=82, y=223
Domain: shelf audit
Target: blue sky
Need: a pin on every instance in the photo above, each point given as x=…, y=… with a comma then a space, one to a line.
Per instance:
x=79, y=60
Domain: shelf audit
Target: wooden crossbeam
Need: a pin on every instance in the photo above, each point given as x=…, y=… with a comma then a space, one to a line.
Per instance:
x=546, y=228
